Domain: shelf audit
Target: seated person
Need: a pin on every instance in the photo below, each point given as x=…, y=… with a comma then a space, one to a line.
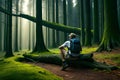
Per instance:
x=74, y=48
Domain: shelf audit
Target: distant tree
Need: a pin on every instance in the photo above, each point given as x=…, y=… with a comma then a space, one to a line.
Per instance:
x=16, y=31
x=111, y=33
x=64, y=18
x=30, y=28
x=9, y=52
x=33, y=29
x=53, y=20
x=20, y=25
x=5, y=28
x=57, y=21
x=48, y=19
x=40, y=46
x=0, y=32
x=70, y=10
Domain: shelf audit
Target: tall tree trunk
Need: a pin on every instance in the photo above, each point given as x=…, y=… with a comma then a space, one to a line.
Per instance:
x=20, y=43
x=40, y=46
x=87, y=23
x=64, y=18
x=48, y=30
x=5, y=29
x=53, y=20
x=33, y=29
x=16, y=30
x=1, y=32
x=96, y=23
x=30, y=31
x=111, y=33
x=70, y=10
x=101, y=18
x=82, y=22
x=46, y=36
x=9, y=52
x=57, y=21
x=78, y=13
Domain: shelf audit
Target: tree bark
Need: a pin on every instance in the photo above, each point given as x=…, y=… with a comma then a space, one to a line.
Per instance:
x=64, y=18
x=16, y=30
x=53, y=20
x=87, y=23
x=9, y=52
x=111, y=33
x=57, y=21
x=82, y=22
x=40, y=46
x=96, y=23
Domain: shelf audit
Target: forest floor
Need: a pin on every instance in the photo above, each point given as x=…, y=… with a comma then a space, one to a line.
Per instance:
x=80, y=73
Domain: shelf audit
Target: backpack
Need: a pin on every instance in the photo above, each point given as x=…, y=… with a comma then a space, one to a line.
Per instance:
x=75, y=46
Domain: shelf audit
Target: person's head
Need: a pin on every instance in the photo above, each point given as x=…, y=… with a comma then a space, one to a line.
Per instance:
x=72, y=35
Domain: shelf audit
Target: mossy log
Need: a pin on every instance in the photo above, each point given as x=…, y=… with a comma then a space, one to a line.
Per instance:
x=52, y=25
x=91, y=64
x=85, y=60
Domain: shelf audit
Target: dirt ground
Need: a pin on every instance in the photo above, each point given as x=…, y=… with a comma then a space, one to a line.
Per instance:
x=80, y=74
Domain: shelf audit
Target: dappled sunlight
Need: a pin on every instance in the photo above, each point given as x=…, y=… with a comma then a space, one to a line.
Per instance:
x=25, y=6
x=88, y=49
x=74, y=3
x=85, y=50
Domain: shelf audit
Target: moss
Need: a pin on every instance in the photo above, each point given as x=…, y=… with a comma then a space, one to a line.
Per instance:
x=46, y=58
x=12, y=70
x=61, y=27
x=86, y=50
x=56, y=26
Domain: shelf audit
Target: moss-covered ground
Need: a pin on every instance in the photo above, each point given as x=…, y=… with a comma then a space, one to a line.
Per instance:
x=10, y=69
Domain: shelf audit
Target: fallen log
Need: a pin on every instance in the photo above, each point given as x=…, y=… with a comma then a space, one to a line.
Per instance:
x=85, y=60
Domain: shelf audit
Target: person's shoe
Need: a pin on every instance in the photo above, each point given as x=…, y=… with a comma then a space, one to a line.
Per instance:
x=64, y=66
x=91, y=55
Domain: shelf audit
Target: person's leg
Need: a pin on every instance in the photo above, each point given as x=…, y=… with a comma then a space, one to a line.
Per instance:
x=63, y=53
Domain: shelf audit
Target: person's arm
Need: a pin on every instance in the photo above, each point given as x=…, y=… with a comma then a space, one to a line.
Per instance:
x=61, y=47
x=64, y=45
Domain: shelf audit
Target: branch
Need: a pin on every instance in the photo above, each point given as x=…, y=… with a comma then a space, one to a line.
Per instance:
x=7, y=12
x=56, y=26
x=28, y=17
x=61, y=27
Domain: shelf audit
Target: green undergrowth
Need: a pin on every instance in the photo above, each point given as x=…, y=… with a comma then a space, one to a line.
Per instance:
x=10, y=69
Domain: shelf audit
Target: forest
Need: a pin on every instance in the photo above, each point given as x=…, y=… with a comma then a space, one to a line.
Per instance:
x=32, y=30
